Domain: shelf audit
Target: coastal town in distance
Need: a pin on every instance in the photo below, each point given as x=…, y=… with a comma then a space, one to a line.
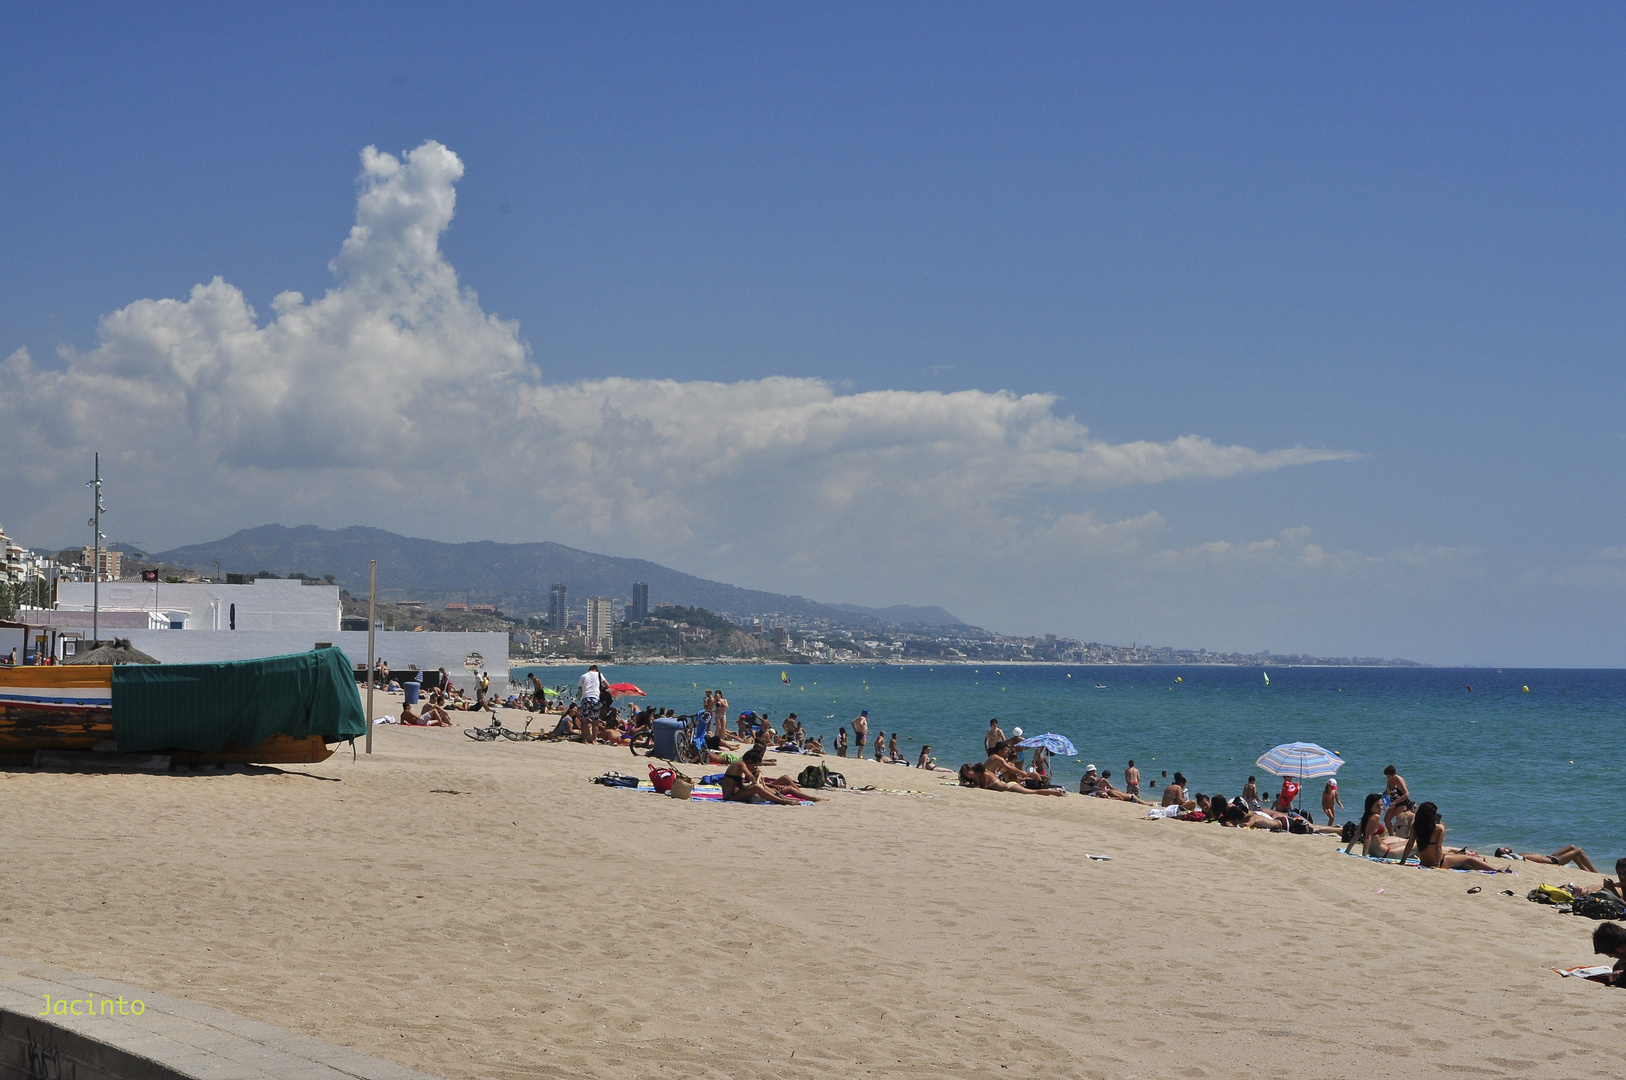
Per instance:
x=638, y=627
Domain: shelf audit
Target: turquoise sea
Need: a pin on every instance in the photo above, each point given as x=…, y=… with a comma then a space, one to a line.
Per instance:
x=1532, y=770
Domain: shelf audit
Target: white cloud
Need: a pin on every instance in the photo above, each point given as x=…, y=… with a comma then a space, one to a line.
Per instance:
x=395, y=400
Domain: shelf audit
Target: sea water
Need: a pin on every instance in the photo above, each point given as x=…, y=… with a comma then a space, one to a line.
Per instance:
x=1533, y=769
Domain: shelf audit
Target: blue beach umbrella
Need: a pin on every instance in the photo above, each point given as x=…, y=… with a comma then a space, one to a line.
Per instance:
x=1304, y=760
x=1056, y=744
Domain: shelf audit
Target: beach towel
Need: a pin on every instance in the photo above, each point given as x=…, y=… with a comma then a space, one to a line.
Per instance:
x=709, y=793
x=1585, y=972
x=1163, y=812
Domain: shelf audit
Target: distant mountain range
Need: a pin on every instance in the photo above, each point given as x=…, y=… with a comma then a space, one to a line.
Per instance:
x=515, y=577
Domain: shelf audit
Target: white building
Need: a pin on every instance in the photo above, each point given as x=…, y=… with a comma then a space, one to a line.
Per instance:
x=266, y=617
x=600, y=623
x=267, y=604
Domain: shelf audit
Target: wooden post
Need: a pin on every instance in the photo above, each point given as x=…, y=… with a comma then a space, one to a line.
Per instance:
x=372, y=600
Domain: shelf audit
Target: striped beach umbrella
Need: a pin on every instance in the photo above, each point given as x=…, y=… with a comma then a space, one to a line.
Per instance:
x=1059, y=745
x=1304, y=760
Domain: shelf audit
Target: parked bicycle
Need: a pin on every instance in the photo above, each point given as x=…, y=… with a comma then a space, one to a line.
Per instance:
x=489, y=734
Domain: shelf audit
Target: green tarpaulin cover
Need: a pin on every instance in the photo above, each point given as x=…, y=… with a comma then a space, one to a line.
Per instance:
x=203, y=707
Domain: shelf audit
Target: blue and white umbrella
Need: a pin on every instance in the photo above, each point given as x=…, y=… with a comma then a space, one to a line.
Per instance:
x=1056, y=744
x=1304, y=760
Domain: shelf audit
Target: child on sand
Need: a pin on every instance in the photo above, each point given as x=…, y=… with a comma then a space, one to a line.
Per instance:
x=1330, y=800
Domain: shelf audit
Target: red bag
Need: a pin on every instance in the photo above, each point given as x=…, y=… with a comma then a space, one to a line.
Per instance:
x=662, y=779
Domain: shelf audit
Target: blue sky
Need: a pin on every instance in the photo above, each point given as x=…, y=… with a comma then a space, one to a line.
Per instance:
x=1383, y=232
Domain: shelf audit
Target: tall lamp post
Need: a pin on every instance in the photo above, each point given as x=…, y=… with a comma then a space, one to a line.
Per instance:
x=96, y=539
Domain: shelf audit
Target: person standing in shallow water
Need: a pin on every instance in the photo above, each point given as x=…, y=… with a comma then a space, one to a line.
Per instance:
x=994, y=736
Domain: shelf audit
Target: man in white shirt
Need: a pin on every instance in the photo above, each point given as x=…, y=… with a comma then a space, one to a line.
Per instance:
x=591, y=685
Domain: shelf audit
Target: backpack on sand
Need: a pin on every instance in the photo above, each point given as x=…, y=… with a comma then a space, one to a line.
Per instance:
x=813, y=777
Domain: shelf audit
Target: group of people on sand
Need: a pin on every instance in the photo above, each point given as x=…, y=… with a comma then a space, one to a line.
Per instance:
x=1003, y=769
x=1393, y=825
x=445, y=698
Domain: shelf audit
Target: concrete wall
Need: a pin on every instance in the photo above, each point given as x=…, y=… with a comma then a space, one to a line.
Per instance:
x=429, y=650
x=268, y=604
x=169, y=1039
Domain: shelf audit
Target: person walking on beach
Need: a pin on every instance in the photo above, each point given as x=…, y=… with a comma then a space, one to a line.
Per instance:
x=591, y=685
x=1132, y=779
x=841, y=743
x=1329, y=800
x=994, y=736
x=861, y=731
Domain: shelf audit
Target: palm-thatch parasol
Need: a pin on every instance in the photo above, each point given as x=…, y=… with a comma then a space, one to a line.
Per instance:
x=117, y=651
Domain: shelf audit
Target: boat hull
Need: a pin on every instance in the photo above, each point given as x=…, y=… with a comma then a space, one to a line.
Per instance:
x=71, y=708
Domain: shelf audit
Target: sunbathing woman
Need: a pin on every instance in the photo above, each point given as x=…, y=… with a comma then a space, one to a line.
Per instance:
x=1565, y=855
x=742, y=783
x=1371, y=833
x=1428, y=837
x=979, y=776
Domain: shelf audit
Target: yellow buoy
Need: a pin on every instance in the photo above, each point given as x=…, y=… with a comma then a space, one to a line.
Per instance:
x=1527, y=689
x=1178, y=679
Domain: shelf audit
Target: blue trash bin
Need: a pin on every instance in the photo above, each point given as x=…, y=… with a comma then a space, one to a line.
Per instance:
x=411, y=689
x=666, y=729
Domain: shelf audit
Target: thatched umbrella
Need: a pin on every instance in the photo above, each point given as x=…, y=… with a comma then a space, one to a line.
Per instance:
x=117, y=651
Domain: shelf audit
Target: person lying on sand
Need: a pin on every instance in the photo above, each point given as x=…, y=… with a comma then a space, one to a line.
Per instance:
x=1105, y=790
x=979, y=776
x=1565, y=855
x=1428, y=837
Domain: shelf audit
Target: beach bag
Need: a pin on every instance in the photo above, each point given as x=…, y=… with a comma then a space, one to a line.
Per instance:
x=1351, y=829
x=1550, y=894
x=834, y=779
x=615, y=779
x=1598, y=906
x=662, y=779
x=813, y=777
x=1298, y=825
x=682, y=786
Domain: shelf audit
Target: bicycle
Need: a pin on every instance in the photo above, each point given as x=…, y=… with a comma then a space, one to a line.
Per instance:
x=488, y=734
x=525, y=735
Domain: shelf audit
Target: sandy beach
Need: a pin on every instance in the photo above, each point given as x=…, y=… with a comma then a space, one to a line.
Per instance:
x=533, y=924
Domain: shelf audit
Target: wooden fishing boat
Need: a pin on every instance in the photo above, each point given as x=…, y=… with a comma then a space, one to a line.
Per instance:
x=277, y=711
